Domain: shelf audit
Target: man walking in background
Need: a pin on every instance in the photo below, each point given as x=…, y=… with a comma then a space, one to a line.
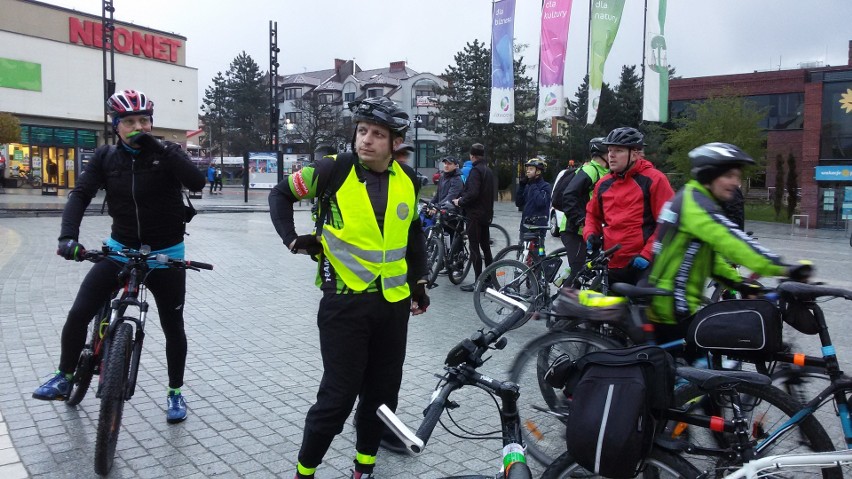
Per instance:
x=477, y=199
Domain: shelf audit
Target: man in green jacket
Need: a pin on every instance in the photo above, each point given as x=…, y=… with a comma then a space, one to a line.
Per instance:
x=696, y=241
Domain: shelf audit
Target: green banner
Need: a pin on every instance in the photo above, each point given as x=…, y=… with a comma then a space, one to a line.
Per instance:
x=606, y=18
x=20, y=75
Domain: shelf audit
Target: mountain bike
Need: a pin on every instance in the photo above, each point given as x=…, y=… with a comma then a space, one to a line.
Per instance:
x=116, y=343
x=447, y=247
x=530, y=246
x=530, y=282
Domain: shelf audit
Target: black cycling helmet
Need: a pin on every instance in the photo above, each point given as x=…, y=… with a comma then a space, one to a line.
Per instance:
x=625, y=136
x=537, y=162
x=597, y=147
x=382, y=111
x=713, y=159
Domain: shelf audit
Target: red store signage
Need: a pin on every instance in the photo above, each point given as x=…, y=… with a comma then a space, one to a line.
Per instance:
x=90, y=33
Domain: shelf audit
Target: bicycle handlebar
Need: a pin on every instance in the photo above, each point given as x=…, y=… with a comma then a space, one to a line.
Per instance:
x=462, y=361
x=807, y=292
x=142, y=255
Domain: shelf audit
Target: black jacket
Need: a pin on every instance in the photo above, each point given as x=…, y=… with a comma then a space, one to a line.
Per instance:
x=143, y=195
x=734, y=209
x=477, y=198
x=450, y=187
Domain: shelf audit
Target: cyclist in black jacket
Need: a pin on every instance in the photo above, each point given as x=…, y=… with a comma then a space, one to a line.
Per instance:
x=143, y=179
x=477, y=199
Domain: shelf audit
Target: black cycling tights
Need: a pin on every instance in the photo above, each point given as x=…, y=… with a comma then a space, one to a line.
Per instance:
x=168, y=286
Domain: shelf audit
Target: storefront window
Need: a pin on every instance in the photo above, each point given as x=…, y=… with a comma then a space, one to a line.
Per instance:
x=836, y=137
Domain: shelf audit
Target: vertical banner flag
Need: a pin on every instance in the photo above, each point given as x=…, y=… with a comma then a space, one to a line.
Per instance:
x=555, y=18
x=502, y=63
x=655, y=104
x=606, y=17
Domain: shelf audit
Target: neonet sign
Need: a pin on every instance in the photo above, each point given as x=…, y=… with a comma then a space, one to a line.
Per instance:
x=149, y=45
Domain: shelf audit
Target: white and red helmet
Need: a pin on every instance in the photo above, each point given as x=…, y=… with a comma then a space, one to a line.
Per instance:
x=130, y=102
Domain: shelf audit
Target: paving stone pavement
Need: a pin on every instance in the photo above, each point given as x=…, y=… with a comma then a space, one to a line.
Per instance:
x=253, y=365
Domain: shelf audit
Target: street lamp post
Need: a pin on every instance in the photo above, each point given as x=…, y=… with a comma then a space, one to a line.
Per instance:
x=416, y=142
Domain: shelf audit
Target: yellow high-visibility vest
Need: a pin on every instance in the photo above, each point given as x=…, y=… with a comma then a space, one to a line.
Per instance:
x=359, y=251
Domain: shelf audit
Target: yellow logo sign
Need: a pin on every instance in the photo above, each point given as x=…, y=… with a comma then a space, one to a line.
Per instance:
x=846, y=101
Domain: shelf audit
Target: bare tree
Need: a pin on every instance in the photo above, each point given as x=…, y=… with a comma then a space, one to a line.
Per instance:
x=319, y=123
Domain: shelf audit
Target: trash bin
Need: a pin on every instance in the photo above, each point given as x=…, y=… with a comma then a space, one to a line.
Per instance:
x=49, y=189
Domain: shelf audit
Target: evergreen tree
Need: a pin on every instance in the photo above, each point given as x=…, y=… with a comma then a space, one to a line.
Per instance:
x=792, y=186
x=214, y=106
x=627, y=99
x=579, y=133
x=247, y=107
x=465, y=105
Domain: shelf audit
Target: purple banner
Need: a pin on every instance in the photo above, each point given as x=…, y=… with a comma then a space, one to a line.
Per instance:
x=502, y=63
x=555, y=19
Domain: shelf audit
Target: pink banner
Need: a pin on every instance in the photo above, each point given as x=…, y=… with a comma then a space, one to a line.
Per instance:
x=555, y=19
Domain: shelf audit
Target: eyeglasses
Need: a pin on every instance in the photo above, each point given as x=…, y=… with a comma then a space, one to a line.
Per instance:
x=131, y=122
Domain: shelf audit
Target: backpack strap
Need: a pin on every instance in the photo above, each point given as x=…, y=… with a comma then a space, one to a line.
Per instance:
x=109, y=150
x=342, y=165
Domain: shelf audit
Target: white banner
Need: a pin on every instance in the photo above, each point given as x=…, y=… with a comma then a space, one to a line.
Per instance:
x=655, y=102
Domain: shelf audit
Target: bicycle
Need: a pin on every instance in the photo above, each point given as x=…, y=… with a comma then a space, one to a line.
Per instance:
x=754, y=469
x=114, y=348
x=531, y=245
x=530, y=284
x=28, y=178
x=441, y=252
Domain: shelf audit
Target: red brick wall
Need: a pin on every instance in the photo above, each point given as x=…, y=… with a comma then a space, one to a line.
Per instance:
x=810, y=149
x=782, y=142
x=760, y=83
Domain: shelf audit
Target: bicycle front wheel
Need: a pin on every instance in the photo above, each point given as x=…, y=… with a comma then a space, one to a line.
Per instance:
x=542, y=408
x=767, y=409
x=510, y=252
x=511, y=278
x=113, y=390
x=660, y=464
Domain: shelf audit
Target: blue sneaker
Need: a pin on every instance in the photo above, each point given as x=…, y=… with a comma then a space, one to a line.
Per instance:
x=56, y=388
x=176, y=411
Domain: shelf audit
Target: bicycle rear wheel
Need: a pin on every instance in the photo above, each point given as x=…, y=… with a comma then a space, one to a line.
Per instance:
x=511, y=278
x=113, y=389
x=766, y=408
x=542, y=408
x=660, y=464
x=87, y=363
x=458, y=260
x=498, y=237
x=509, y=252
x=435, y=252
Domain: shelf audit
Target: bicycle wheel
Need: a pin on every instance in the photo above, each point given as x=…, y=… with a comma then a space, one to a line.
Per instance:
x=36, y=182
x=543, y=409
x=766, y=408
x=511, y=278
x=660, y=464
x=87, y=363
x=509, y=252
x=114, y=377
x=498, y=237
x=458, y=260
x=435, y=252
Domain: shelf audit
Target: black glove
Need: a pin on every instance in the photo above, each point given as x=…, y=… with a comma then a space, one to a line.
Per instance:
x=306, y=244
x=70, y=249
x=523, y=180
x=147, y=142
x=419, y=296
x=801, y=272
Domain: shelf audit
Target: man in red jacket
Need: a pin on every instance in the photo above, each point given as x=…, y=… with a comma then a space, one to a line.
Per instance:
x=625, y=206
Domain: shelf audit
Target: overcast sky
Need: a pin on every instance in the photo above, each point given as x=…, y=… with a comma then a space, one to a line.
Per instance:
x=707, y=37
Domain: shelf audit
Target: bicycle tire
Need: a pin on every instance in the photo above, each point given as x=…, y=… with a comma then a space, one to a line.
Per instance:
x=509, y=252
x=86, y=364
x=541, y=407
x=113, y=389
x=458, y=260
x=435, y=252
x=513, y=279
x=498, y=237
x=36, y=182
x=766, y=407
x=660, y=464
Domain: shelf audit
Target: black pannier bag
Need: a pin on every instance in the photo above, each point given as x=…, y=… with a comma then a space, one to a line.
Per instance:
x=745, y=328
x=616, y=399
